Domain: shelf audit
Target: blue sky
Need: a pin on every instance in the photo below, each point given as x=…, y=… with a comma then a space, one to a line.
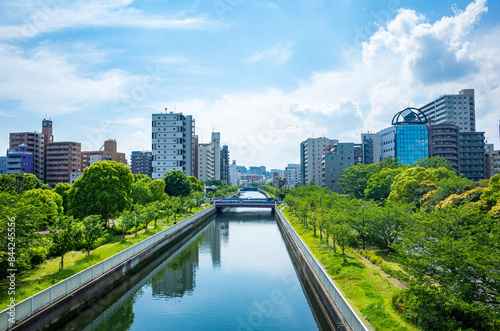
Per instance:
x=266, y=74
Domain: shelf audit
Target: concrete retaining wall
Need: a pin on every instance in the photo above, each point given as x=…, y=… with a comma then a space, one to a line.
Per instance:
x=334, y=306
x=62, y=309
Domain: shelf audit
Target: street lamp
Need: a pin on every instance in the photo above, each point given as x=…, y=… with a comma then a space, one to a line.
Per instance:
x=363, y=234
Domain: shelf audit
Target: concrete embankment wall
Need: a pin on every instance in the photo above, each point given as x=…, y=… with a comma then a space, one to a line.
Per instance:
x=338, y=312
x=66, y=306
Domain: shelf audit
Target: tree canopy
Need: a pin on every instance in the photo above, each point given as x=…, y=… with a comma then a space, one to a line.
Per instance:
x=177, y=184
x=103, y=189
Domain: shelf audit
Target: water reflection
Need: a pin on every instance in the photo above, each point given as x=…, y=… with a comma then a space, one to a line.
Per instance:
x=236, y=273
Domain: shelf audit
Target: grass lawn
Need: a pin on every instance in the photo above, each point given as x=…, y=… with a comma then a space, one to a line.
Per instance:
x=45, y=275
x=368, y=292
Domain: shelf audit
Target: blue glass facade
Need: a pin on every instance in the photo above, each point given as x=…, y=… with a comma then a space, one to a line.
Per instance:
x=412, y=142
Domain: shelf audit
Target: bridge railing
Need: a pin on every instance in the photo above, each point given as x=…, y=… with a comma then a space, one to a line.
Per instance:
x=351, y=317
x=34, y=303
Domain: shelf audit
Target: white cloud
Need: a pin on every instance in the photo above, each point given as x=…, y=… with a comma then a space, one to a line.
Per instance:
x=277, y=54
x=431, y=53
x=57, y=15
x=47, y=82
x=267, y=128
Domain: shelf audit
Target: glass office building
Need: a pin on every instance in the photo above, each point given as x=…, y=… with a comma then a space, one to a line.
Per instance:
x=407, y=138
x=411, y=142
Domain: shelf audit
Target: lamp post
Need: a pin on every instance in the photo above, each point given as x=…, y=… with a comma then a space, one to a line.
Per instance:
x=363, y=234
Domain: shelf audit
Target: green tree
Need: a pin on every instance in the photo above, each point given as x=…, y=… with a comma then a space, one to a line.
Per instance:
x=344, y=237
x=386, y=223
x=198, y=198
x=157, y=188
x=196, y=185
x=92, y=231
x=379, y=185
x=405, y=184
x=65, y=236
x=62, y=189
x=492, y=194
x=48, y=203
x=21, y=182
x=452, y=256
x=177, y=184
x=103, y=189
x=130, y=219
x=355, y=179
x=142, y=178
x=434, y=162
x=141, y=194
x=390, y=163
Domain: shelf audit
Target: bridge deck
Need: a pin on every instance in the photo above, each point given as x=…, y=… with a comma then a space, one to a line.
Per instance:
x=252, y=203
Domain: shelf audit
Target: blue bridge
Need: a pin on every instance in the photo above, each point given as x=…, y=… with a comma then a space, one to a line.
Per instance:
x=246, y=203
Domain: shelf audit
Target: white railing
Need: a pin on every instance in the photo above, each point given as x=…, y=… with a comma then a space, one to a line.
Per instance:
x=30, y=305
x=350, y=316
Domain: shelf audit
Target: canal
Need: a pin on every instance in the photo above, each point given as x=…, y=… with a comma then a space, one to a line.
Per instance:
x=236, y=273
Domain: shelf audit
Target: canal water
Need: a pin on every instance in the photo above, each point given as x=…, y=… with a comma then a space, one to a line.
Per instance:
x=234, y=274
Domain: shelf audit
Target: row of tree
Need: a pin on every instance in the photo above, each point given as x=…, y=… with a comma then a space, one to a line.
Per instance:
x=443, y=229
x=50, y=222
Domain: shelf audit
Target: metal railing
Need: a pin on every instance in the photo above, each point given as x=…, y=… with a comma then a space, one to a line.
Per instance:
x=350, y=316
x=34, y=303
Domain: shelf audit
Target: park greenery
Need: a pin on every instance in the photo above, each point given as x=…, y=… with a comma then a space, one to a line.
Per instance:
x=443, y=230
x=106, y=201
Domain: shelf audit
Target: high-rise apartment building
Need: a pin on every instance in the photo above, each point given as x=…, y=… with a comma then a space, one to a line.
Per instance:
x=492, y=161
x=209, y=159
x=458, y=109
x=36, y=145
x=292, y=175
x=141, y=163
x=224, y=164
x=371, y=147
x=48, y=137
x=109, y=152
x=254, y=170
x=20, y=160
x=472, y=155
x=233, y=171
x=172, y=144
x=62, y=159
x=444, y=141
x=407, y=139
x=338, y=157
x=311, y=152
x=3, y=165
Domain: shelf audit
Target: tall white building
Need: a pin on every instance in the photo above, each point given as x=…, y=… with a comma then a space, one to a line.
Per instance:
x=209, y=159
x=292, y=175
x=233, y=171
x=311, y=151
x=172, y=144
x=458, y=109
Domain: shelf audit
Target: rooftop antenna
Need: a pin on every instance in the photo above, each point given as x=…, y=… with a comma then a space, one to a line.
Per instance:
x=213, y=128
x=165, y=110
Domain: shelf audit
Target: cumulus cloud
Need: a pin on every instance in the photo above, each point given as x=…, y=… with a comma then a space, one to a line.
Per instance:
x=47, y=82
x=407, y=62
x=431, y=53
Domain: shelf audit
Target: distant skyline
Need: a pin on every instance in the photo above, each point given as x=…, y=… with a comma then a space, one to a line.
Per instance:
x=265, y=74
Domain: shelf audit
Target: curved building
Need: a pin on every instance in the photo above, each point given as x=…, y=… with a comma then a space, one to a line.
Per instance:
x=407, y=138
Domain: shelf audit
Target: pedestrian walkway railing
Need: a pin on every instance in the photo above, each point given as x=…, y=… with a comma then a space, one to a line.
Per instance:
x=29, y=306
